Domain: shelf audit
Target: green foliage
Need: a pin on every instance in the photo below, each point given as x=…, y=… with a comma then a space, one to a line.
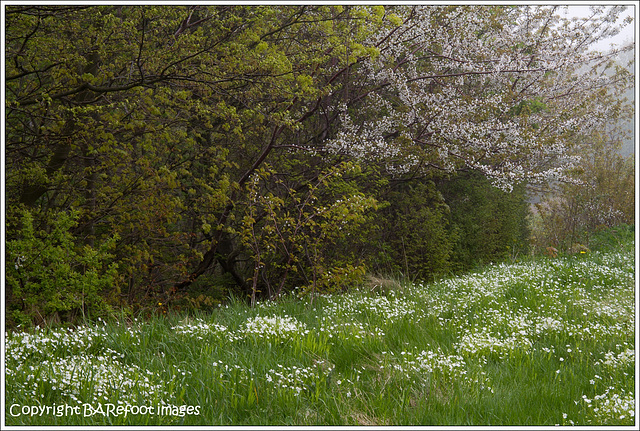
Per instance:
x=428, y=229
x=292, y=234
x=149, y=121
x=414, y=236
x=49, y=276
x=490, y=224
x=527, y=107
x=616, y=238
x=208, y=292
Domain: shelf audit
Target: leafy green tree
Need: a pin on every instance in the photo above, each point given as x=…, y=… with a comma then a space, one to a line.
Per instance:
x=152, y=123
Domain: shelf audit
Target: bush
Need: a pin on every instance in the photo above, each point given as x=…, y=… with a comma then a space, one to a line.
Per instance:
x=491, y=224
x=50, y=277
x=414, y=236
x=290, y=236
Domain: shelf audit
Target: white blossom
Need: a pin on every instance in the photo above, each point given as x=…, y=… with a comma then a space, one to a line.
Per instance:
x=450, y=85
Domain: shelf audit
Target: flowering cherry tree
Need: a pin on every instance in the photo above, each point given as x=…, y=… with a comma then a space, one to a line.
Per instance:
x=507, y=91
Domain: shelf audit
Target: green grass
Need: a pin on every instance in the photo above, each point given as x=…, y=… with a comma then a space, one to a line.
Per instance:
x=540, y=342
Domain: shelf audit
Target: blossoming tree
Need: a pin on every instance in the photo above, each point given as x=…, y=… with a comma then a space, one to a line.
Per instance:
x=507, y=91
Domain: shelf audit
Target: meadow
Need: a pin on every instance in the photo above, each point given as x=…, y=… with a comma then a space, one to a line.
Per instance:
x=543, y=341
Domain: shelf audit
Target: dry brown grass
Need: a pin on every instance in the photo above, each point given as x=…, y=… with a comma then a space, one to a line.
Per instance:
x=374, y=283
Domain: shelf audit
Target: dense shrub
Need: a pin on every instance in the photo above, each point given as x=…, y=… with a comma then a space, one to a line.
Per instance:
x=611, y=239
x=413, y=232
x=428, y=229
x=290, y=234
x=50, y=276
x=490, y=223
